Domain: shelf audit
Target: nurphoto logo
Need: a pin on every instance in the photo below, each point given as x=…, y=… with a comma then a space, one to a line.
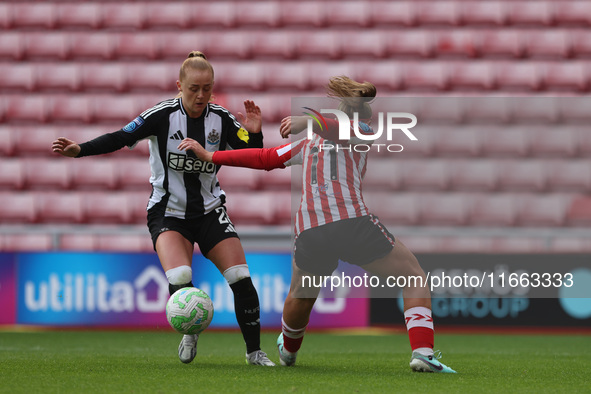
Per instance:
x=364, y=137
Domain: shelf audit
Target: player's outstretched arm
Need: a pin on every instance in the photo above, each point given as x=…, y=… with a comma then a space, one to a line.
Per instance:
x=65, y=147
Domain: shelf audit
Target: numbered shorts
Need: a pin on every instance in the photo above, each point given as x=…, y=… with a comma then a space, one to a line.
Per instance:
x=207, y=231
x=357, y=241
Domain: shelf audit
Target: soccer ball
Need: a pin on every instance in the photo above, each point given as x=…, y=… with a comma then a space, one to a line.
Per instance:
x=189, y=310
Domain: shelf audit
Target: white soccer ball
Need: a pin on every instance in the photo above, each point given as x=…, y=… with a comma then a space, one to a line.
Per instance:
x=189, y=310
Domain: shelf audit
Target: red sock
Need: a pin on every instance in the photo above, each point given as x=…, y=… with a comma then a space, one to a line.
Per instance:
x=292, y=338
x=419, y=324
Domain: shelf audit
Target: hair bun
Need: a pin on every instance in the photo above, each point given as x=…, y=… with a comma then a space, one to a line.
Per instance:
x=196, y=54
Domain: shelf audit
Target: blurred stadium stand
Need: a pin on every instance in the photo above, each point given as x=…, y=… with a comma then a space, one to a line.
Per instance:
x=514, y=180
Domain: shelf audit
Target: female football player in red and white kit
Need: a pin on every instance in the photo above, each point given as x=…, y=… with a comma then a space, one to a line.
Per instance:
x=334, y=223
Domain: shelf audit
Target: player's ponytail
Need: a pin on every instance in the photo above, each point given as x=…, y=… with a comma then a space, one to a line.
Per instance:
x=355, y=96
x=195, y=60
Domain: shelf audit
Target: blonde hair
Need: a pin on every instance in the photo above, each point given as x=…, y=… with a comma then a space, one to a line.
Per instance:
x=197, y=61
x=355, y=96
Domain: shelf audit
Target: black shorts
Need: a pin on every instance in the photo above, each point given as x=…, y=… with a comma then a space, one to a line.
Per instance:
x=207, y=231
x=357, y=241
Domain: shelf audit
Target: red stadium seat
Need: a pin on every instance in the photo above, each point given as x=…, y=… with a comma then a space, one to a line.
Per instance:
x=123, y=15
x=35, y=140
x=536, y=111
x=455, y=43
x=383, y=73
x=494, y=210
x=484, y=12
x=286, y=76
x=439, y=13
x=8, y=138
x=410, y=43
x=26, y=109
x=273, y=44
x=230, y=44
x=125, y=243
x=472, y=75
x=60, y=207
x=488, y=110
x=527, y=13
x=109, y=77
x=395, y=209
x=12, y=45
x=393, y=13
x=573, y=13
x=572, y=76
x=240, y=75
x=17, y=207
x=383, y=175
x=522, y=77
x=168, y=15
x=94, y=173
x=425, y=76
x=12, y=175
x=84, y=242
x=17, y=77
x=278, y=179
x=71, y=108
x=351, y=14
x=445, y=112
x=57, y=77
x=33, y=15
x=319, y=44
x=137, y=202
x=120, y=109
x=501, y=43
x=431, y=175
x=522, y=175
x=174, y=46
x=218, y=14
x=27, y=242
x=251, y=208
x=475, y=175
x=569, y=175
x=445, y=209
x=5, y=17
x=364, y=44
x=142, y=46
x=258, y=13
x=44, y=174
x=574, y=110
x=581, y=43
x=549, y=142
x=579, y=212
x=506, y=142
x=107, y=208
x=78, y=15
x=285, y=207
x=304, y=13
x=548, y=44
x=544, y=210
x=239, y=179
x=92, y=45
x=46, y=45
x=133, y=173
x=151, y=76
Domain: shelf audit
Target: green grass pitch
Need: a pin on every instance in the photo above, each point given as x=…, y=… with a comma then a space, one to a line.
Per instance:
x=146, y=362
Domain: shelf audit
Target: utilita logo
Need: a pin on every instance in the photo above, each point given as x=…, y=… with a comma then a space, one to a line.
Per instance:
x=364, y=137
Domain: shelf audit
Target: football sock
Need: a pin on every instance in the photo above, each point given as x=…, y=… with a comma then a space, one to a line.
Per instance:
x=172, y=288
x=419, y=324
x=179, y=277
x=246, y=306
x=292, y=338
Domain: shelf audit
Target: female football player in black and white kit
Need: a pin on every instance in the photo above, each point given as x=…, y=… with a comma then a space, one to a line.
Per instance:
x=187, y=203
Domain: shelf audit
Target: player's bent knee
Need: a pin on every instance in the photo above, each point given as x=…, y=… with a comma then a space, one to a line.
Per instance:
x=236, y=273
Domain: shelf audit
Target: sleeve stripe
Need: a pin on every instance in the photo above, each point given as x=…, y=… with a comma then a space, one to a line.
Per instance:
x=164, y=104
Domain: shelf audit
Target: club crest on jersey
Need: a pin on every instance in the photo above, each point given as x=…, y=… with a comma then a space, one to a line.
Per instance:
x=133, y=125
x=213, y=138
x=188, y=164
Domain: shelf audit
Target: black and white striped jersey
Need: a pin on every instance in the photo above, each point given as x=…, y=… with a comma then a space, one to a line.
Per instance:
x=182, y=185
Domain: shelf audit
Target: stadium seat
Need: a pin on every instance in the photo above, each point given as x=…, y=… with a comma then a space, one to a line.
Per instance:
x=471, y=76
x=94, y=174
x=487, y=111
x=392, y=13
x=78, y=242
x=572, y=76
x=107, y=208
x=12, y=45
x=12, y=175
x=25, y=15
x=506, y=141
x=48, y=174
x=8, y=145
x=445, y=209
x=71, y=15
x=258, y=13
x=5, y=17
x=494, y=210
x=522, y=175
x=430, y=76
x=518, y=245
x=547, y=44
x=431, y=175
x=501, y=43
x=544, y=210
x=26, y=109
x=446, y=112
x=137, y=201
x=70, y=108
x=579, y=212
x=57, y=77
x=455, y=43
x=304, y=13
x=168, y=15
x=410, y=44
x=286, y=76
x=572, y=175
x=152, y=76
x=210, y=14
x=389, y=75
x=459, y=142
x=33, y=242
x=17, y=207
x=484, y=13
x=247, y=208
x=573, y=13
x=368, y=44
x=527, y=13
x=95, y=45
x=319, y=44
x=550, y=141
x=383, y=174
x=124, y=243
x=474, y=175
x=350, y=14
x=519, y=76
x=46, y=45
x=438, y=13
x=17, y=77
x=35, y=140
x=239, y=75
x=239, y=179
x=273, y=44
x=60, y=207
x=574, y=110
x=232, y=45
x=538, y=111
x=581, y=45
x=133, y=173
x=395, y=209
x=123, y=15
x=120, y=109
x=103, y=77
x=142, y=46
x=279, y=180
x=285, y=208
